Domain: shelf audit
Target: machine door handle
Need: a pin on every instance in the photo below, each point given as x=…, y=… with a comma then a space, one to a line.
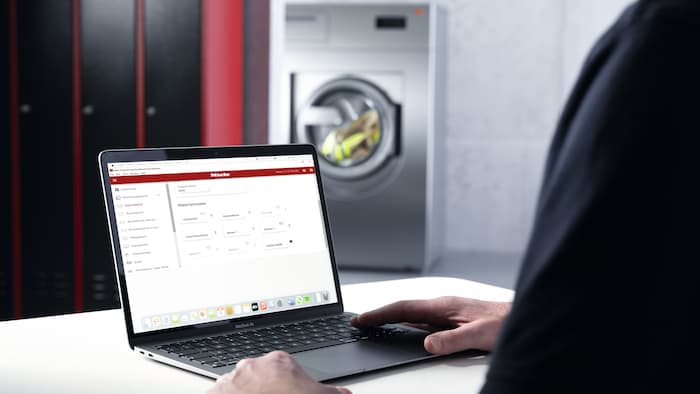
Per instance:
x=320, y=116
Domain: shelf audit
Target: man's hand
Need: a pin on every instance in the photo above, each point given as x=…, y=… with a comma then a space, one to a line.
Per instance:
x=276, y=372
x=457, y=323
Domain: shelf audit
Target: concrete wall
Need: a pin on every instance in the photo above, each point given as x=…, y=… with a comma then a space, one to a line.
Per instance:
x=510, y=66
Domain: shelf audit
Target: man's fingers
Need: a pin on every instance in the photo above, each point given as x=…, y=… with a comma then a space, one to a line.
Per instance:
x=416, y=311
x=225, y=377
x=479, y=334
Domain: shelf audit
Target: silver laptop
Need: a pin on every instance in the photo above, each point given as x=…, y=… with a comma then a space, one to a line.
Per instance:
x=224, y=253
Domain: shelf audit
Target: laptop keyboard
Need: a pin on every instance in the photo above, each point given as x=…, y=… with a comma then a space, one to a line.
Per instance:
x=226, y=350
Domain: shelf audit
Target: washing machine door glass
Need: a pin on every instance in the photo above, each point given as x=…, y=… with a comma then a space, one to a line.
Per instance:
x=352, y=124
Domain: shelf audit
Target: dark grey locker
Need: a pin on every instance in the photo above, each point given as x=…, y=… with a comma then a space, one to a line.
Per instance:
x=44, y=45
x=256, y=70
x=5, y=168
x=109, y=121
x=172, y=71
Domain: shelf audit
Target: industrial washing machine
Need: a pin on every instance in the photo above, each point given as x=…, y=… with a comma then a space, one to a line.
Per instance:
x=363, y=83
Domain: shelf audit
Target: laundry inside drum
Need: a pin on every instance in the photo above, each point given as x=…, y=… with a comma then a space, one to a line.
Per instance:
x=354, y=141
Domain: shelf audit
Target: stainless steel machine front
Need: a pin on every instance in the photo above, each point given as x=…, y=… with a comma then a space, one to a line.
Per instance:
x=362, y=86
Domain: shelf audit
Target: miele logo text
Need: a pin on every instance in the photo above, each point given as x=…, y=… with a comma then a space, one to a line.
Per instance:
x=219, y=174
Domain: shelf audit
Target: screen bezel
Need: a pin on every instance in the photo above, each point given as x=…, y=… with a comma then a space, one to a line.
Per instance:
x=161, y=154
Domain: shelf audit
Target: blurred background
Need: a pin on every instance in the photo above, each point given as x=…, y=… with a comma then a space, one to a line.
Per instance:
x=79, y=76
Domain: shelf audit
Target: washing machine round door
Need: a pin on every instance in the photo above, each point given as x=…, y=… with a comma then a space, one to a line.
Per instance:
x=352, y=123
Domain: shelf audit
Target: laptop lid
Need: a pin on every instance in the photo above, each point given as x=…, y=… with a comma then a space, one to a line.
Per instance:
x=210, y=239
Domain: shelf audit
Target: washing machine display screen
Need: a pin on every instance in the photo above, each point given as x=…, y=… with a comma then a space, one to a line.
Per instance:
x=217, y=239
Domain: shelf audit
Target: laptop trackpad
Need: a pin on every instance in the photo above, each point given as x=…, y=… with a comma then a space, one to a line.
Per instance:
x=356, y=357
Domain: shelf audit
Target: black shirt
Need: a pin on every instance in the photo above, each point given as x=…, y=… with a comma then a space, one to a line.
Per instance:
x=608, y=299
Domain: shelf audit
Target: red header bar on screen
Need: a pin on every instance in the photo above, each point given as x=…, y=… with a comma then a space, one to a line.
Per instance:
x=198, y=176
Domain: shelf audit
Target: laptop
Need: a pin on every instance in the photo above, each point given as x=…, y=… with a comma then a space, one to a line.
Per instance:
x=225, y=253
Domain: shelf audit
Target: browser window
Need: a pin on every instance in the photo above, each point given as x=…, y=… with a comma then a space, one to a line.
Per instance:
x=215, y=239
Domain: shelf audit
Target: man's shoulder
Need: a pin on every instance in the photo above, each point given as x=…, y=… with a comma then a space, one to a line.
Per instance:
x=675, y=13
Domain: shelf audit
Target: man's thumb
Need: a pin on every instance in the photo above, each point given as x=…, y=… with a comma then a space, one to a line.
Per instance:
x=479, y=334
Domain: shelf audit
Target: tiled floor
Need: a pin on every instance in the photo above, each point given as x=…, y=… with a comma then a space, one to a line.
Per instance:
x=494, y=269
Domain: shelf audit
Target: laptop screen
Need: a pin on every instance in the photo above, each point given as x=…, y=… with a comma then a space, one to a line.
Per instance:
x=206, y=240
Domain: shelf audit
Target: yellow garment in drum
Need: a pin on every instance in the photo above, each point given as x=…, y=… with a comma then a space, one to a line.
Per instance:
x=355, y=141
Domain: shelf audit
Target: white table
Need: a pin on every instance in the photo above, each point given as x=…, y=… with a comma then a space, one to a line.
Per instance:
x=89, y=352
